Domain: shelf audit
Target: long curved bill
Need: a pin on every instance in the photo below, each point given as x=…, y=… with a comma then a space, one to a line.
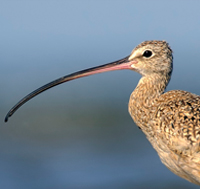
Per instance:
x=117, y=65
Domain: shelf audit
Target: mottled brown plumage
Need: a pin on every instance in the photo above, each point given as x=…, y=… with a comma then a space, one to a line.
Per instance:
x=171, y=120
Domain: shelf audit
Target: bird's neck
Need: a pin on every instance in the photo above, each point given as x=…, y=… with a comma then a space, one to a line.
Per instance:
x=150, y=87
x=143, y=99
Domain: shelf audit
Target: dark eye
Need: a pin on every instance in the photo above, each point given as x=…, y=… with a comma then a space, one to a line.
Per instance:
x=147, y=53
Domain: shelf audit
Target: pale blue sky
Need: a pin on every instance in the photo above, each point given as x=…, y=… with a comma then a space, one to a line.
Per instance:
x=43, y=40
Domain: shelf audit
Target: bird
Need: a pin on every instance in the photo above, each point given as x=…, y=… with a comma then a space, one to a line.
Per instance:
x=169, y=119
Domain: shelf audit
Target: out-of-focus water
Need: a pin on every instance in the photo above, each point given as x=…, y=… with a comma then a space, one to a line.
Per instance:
x=97, y=146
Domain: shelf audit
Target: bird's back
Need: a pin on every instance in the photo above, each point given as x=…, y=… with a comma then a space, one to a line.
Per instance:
x=176, y=128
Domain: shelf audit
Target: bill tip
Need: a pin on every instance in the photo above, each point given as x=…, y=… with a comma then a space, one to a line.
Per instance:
x=6, y=119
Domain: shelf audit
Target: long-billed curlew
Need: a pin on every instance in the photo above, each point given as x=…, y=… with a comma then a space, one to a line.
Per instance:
x=170, y=121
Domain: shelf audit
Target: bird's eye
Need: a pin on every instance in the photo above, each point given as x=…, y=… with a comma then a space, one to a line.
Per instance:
x=147, y=53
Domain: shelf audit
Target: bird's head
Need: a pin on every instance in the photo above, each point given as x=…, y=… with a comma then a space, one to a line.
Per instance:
x=152, y=57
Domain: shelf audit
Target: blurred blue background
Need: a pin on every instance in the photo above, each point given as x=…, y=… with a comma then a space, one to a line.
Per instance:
x=79, y=134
